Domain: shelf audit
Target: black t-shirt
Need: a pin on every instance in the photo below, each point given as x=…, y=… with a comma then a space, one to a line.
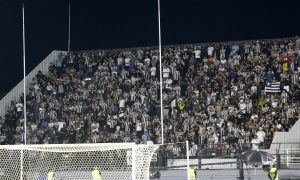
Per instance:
x=122, y=127
x=72, y=136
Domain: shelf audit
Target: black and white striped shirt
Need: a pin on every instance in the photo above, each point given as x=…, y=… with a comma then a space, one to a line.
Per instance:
x=225, y=114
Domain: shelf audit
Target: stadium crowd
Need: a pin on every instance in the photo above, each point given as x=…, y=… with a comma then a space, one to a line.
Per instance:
x=229, y=93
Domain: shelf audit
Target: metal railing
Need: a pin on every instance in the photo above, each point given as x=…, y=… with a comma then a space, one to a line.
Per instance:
x=290, y=157
x=224, y=154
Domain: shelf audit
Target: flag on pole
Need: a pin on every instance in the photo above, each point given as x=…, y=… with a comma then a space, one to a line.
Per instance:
x=272, y=87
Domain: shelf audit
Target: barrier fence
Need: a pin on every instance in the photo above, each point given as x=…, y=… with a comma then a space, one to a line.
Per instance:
x=218, y=153
x=221, y=161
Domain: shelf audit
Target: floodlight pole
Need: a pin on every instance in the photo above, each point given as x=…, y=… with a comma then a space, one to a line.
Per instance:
x=24, y=98
x=24, y=76
x=160, y=75
x=69, y=29
x=187, y=159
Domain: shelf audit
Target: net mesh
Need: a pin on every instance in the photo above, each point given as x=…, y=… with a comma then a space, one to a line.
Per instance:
x=72, y=162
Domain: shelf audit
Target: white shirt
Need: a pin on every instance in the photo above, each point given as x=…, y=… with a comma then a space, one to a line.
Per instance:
x=139, y=126
x=274, y=104
x=60, y=125
x=223, y=61
x=166, y=72
x=153, y=71
x=173, y=103
x=169, y=81
x=210, y=51
x=176, y=75
x=261, y=136
x=122, y=103
x=255, y=144
x=243, y=106
x=279, y=126
x=147, y=61
x=95, y=127
x=33, y=127
x=253, y=89
x=254, y=116
x=49, y=88
x=127, y=61
x=120, y=60
x=19, y=106
x=197, y=54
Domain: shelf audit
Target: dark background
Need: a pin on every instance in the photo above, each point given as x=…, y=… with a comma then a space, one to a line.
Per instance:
x=102, y=24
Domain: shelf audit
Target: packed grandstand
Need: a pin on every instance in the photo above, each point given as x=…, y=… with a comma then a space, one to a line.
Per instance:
x=216, y=93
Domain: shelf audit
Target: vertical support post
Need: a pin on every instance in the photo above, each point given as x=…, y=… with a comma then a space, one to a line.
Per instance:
x=188, y=160
x=69, y=30
x=21, y=164
x=133, y=163
x=160, y=75
x=287, y=157
x=278, y=161
x=241, y=168
x=24, y=76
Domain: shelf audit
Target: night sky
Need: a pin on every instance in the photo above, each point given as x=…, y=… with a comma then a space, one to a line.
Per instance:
x=102, y=24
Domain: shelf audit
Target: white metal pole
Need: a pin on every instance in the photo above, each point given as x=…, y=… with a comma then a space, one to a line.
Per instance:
x=133, y=163
x=188, y=160
x=24, y=77
x=69, y=32
x=287, y=157
x=21, y=165
x=160, y=75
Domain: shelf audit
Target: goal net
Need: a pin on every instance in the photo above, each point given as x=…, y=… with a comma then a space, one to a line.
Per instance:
x=116, y=161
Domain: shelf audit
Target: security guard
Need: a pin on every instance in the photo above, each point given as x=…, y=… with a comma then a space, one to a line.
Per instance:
x=273, y=175
x=50, y=175
x=192, y=173
x=96, y=174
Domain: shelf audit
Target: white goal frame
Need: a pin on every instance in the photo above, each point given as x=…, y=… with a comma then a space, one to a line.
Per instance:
x=138, y=155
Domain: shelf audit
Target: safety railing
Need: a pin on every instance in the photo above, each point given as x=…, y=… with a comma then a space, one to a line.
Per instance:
x=290, y=157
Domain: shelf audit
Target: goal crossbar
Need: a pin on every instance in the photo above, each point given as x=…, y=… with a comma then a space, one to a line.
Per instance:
x=72, y=147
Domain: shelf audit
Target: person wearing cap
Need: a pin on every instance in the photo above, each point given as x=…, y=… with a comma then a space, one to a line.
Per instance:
x=273, y=175
x=192, y=173
x=96, y=174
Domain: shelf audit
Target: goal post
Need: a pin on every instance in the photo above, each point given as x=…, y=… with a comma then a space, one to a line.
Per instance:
x=115, y=161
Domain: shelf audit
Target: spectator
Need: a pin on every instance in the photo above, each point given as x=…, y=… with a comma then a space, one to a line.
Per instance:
x=255, y=143
x=216, y=93
x=261, y=135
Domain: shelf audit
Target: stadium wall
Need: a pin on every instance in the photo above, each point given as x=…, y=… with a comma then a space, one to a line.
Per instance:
x=287, y=140
x=15, y=93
